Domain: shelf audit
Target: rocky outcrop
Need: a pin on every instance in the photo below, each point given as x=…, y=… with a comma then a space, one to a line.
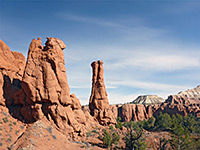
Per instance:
x=45, y=91
x=184, y=102
x=148, y=99
x=191, y=93
x=98, y=104
x=181, y=104
x=137, y=112
x=11, y=70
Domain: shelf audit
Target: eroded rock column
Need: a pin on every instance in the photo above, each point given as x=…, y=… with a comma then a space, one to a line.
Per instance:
x=46, y=90
x=98, y=104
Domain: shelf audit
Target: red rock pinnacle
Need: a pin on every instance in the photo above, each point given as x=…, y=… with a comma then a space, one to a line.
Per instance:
x=46, y=89
x=99, y=105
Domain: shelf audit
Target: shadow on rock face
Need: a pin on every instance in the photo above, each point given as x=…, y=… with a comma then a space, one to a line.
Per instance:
x=12, y=92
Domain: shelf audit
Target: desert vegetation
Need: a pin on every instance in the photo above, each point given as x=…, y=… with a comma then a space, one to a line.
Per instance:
x=184, y=133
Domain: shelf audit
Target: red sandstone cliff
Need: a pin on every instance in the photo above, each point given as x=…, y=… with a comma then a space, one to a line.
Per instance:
x=11, y=71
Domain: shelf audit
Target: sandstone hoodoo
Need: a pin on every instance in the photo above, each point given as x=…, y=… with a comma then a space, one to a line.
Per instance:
x=98, y=104
x=148, y=99
x=45, y=88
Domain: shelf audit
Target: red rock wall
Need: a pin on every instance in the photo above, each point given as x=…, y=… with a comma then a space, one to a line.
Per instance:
x=11, y=70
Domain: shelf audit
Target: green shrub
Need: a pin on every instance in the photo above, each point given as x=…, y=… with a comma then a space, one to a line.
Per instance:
x=107, y=139
x=95, y=131
x=119, y=123
x=149, y=124
x=9, y=140
x=110, y=139
x=16, y=132
x=89, y=133
x=163, y=122
x=111, y=127
x=5, y=120
x=133, y=138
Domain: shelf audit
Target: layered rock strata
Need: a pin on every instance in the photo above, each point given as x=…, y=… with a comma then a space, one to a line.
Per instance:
x=98, y=104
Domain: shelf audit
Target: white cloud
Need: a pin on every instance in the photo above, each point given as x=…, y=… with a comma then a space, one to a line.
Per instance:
x=150, y=59
x=147, y=85
x=89, y=20
x=153, y=61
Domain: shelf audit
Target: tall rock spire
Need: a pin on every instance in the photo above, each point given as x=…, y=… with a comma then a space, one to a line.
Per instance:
x=98, y=98
x=98, y=104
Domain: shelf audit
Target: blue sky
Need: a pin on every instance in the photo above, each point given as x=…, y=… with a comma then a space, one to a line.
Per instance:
x=148, y=47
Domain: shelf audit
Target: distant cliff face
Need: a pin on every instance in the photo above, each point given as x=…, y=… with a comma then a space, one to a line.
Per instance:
x=183, y=103
x=148, y=99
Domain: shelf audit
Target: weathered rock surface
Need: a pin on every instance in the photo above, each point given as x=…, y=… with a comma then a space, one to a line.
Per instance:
x=182, y=103
x=98, y=104
x=191, y=93
x=11, y=70
x=137, y=112
x=45, y=91
x=37, y=96
x=148, y=99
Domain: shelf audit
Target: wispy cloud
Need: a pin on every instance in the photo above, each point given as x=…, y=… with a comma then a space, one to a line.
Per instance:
x=157, y=62
x=144, y=58
x=89, y=20
x=148, y=85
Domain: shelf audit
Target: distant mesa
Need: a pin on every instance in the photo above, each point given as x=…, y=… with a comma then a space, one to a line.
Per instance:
x=148, y=99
